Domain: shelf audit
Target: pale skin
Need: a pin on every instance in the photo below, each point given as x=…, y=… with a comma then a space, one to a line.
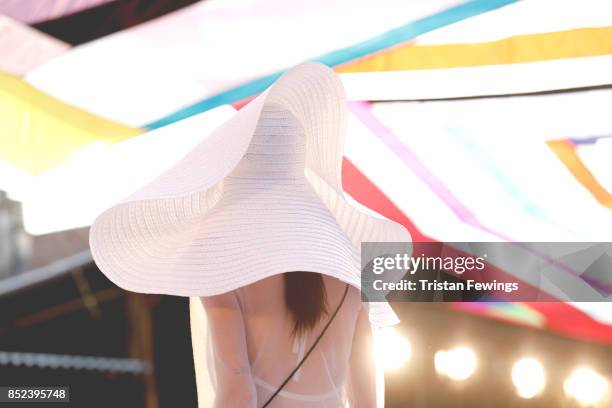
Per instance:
x=225, y=322
x=222, y=317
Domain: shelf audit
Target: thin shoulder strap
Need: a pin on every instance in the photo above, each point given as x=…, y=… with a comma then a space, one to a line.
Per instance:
x=297, y=367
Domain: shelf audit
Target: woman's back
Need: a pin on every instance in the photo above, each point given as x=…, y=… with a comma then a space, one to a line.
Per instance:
x=273, y=351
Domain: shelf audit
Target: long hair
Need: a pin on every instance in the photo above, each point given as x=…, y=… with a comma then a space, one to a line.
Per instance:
x=305, y=298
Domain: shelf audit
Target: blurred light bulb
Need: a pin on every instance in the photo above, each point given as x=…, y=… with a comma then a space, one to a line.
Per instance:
x=528, y=377
x=586, y=386
x=458, y=364
x=391, y=349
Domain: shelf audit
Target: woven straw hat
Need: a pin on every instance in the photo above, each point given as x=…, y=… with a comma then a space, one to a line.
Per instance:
x=260, y=196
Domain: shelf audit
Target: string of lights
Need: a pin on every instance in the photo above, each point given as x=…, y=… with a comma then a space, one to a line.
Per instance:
x=583, y=386
x=68, y=362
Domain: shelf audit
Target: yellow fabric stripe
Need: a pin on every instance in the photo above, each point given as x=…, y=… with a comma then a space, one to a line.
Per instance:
x=38, y=132
x=582, y=42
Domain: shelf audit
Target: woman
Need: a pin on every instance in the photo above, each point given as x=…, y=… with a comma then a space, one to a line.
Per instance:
x=253, y=225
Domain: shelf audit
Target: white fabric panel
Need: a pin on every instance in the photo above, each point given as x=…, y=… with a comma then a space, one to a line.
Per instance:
x=23, y=48
x=14, y=180
x=73, y=194
x=479, y=81
x=33, y=11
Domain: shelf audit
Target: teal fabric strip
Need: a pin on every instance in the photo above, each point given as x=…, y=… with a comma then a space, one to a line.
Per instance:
x=506, y=182
x=387, y=39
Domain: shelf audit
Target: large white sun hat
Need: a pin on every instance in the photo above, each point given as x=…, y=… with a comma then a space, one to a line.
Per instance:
x=260, y=196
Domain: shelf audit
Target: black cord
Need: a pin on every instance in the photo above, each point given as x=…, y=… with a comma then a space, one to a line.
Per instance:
x=297, y=367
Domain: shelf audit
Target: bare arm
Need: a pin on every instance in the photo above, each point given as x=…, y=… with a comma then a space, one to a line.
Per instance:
x=234, y=384
x=362, y=366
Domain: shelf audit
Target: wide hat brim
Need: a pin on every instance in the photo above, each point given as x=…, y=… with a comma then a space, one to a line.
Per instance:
x=171, y=237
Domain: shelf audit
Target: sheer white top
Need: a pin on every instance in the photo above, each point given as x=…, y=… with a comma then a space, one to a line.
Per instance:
x=250, y=349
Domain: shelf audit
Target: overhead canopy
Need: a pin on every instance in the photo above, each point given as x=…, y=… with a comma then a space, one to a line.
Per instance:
x=484, y=169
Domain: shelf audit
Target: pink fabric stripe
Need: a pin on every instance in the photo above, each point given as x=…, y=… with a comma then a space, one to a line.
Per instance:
x=34, y=11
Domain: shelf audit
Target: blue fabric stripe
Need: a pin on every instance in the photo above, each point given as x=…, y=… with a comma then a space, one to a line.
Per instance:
x=385, y=40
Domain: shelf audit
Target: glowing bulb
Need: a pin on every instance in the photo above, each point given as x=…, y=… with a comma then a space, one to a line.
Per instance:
x=458, y=364
x=391, y=349
x=528, y=377
x=440, y=362
x=586, y=386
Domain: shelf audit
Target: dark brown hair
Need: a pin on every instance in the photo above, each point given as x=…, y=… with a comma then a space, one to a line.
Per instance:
x=305, y=298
